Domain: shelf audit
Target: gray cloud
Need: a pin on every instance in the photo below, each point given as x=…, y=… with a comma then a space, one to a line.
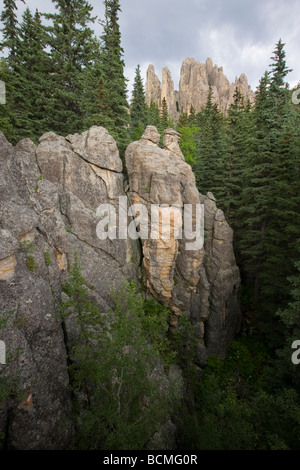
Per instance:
x=239, y=35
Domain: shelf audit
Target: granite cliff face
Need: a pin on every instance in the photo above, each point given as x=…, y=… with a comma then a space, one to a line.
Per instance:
x=203, y=281
x=50, y=195
x=195, y=79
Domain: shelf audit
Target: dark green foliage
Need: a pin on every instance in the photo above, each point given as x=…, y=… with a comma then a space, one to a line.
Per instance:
x=187, y=141
x=234, y=411
x=8, y=117
x=164, y=114
x=138, y=107
x=113, y=364
x=10, y=29
x=73, y=49
x=9, y=379
x=271, y=196
x=60, y=77
x=47, y=258
x=286, y=371
x=251, y=163
x=154, y=115
x=31, y=79
x=30, y=263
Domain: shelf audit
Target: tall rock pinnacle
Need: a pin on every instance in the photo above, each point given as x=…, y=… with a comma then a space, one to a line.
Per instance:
x=195, y=79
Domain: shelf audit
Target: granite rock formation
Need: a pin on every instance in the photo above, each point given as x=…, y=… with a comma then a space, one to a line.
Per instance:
x=203, y=281
x=195, y=79
x=50, y=195
x=49, y=200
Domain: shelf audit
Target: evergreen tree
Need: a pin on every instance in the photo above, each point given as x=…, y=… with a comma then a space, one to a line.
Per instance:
x=287, y=372
x=183, y=120
x=188, y=131
x=8, y=46
x=8, y=118
x=164, y=115
x=209, y=148
x=188, y=143
x=153, y=116
x=10, y=29
x=112, y=72
x=138, y=108
x=32, y=67
x=73, y=48
x=238, y=148
x=272, y=196
x=279, y=69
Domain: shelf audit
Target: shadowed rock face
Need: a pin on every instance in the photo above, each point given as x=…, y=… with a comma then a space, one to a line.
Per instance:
x=202, y=282
x=195, y=79
x=50, y=194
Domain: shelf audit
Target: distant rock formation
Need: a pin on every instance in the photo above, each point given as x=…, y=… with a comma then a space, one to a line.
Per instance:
x=195, y=79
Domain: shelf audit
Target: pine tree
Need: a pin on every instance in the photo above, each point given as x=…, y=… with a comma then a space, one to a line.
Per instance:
x=8, y=118
x=8, y=46
x=10, y=29
x=138, y=108
x=209, y=148
x=164, y=115
x=238, y=149
x=272, y=194
x=289, y=316
x=183, y=120
x=153, y=115
x=279, y=69
x=32, y=68
x=112, y=72
x=72, y=46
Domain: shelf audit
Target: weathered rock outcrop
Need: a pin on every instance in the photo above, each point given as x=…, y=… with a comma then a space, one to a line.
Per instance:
x=50, y=195
x=202, y=281
x=49, y=198
x=195, y=79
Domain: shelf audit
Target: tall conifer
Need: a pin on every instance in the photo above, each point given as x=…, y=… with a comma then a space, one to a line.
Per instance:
x=72, y=46
x=112, y=72
x=138, y=107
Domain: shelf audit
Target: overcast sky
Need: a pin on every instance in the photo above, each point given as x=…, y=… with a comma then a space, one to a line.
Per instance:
x=239, y=35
